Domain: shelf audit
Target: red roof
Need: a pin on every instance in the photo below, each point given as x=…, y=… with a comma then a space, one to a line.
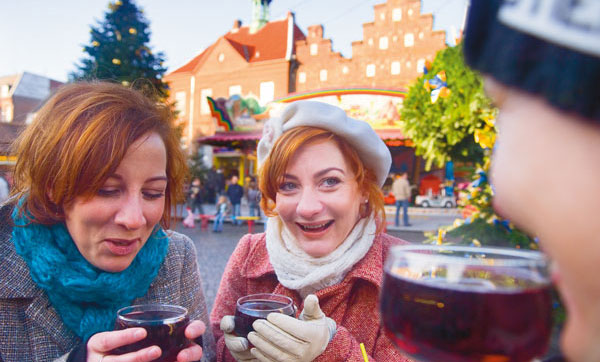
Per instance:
x=268, y=43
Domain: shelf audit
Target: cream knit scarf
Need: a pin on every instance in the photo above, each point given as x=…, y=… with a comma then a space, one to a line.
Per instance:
x=299, y=271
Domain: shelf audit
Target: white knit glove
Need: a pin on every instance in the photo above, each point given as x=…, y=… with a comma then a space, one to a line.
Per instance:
x=237, y=346
x=284, y=338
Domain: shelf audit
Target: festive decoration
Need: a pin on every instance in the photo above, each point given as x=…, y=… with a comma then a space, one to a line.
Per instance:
x=460, y=128
x=119, y=51
x=437, y=85
x=219, y=112
x=443, y=130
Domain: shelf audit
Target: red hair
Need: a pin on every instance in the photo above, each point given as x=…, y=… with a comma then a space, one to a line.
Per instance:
x=79, y=137
x=274, y=167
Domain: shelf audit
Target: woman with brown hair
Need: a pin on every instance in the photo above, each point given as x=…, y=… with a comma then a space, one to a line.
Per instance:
x=320, y=176
x=97, y=174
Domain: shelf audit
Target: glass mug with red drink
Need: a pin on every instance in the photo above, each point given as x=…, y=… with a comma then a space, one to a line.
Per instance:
x=258, y=306
x=459, y=303
x=165, y=326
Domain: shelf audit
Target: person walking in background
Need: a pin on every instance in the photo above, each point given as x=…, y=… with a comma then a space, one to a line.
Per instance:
x=196, y=197
x=541, y=66
x=254, y=198
x=219, y=183
x=223, y=209
x=211, y=194
x=401, y=192
x=235, y=193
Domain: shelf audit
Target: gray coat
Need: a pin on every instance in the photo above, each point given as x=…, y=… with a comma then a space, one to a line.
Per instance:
x=31, y=329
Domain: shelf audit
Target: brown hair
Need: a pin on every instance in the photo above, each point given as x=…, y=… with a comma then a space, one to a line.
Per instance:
x=272, y=171
x=79, y=137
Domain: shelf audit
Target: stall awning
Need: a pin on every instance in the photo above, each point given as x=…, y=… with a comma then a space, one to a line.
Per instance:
x=234, y=139
x=390, y=134
x=244, y=139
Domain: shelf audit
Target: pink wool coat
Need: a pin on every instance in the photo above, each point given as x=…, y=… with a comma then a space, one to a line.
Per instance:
x=353, y=303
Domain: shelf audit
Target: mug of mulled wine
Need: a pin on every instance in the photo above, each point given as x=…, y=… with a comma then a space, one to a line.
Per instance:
x=165, y=326
x=459, y=303
x=258, y=306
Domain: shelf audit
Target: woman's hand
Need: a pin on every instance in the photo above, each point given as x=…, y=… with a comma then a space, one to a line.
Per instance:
x=101, y=344
x=237, y=346
x=194, y=352
x=284, y=338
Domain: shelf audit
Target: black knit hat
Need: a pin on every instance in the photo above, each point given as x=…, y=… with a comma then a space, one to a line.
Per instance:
x=549, y=48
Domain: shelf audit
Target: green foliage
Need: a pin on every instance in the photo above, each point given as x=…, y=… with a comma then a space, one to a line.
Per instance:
x=119, y=51
x=444, y=130
x=196, y=166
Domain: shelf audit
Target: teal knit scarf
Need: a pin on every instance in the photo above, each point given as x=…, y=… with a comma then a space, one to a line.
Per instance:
x=85, y=297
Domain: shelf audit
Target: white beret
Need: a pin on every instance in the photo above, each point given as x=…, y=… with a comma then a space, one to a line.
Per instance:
x=370, y=148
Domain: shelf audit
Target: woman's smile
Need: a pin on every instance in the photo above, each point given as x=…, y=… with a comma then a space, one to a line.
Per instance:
x=315, y=228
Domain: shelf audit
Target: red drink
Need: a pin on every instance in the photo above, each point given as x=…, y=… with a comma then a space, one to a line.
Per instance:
x=467, y=320
x=258, y=306
x=165, y=326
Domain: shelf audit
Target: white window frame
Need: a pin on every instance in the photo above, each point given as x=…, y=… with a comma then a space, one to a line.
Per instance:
x=314, y=49
x=235, y=89
x=4, y=90
x=409, y=40
x=383, y=43
x=267, y=92
x=420, y=65
x=370, y=70
x=323, y=75
x=397, y=14
x=302, y=77
x=395, y=68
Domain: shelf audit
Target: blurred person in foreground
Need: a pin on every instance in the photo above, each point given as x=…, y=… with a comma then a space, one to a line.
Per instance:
x=320, y=176
x=542, y=67
x=96, y=176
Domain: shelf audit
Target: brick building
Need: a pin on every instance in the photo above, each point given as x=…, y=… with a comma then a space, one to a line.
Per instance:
x=253, y=63
x=392, y=53
x=20, y=97
x=277, y=59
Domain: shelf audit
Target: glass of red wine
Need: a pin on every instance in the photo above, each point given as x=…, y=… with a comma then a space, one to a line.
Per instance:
x=258, y=306
x=165, y=325
x=459, y=303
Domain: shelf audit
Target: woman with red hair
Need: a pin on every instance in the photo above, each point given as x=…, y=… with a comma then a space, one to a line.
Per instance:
x=320, y=177
x=96, y=177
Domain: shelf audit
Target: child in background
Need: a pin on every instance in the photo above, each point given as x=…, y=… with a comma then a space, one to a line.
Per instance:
x=222, y=211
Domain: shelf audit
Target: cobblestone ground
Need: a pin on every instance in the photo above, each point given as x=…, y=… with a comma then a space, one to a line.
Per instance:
x=214, y=249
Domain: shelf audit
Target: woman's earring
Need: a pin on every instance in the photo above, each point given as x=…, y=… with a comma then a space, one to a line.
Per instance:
x=364, y=209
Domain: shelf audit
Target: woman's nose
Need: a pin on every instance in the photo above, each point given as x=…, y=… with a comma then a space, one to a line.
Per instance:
x=131, y=214
x=308, y=204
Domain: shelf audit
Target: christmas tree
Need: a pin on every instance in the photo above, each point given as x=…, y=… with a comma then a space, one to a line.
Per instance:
x=119, y=51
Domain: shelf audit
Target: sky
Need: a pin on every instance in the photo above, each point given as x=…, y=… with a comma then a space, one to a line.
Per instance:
x=47, y=37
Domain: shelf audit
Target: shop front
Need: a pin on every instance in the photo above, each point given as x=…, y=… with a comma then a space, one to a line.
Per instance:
x=234, y=145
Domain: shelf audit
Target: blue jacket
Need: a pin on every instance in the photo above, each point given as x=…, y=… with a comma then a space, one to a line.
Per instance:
x=235, y=193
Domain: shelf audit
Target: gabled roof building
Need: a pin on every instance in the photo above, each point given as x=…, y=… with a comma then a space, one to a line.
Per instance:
x=271, y=59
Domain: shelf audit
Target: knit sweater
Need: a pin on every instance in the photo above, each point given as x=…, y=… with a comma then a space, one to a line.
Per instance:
x=353, y=303
x=33, y=331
